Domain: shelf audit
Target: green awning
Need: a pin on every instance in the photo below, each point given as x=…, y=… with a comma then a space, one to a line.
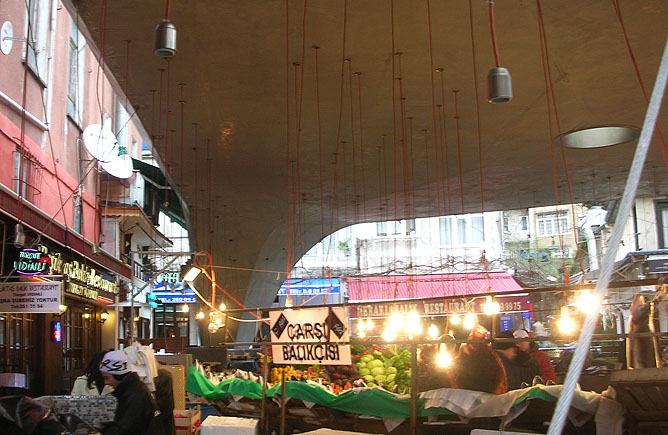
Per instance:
x=154, y=174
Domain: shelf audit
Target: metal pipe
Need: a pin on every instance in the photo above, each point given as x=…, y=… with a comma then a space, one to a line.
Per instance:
x=283, y=403
x=265, y=373
x=18, y=108
x=414, y=389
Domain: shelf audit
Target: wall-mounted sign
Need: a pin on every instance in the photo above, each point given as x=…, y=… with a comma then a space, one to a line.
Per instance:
x=508, y=304
x=176, y=294
x=30, y=297
x=56, y=332
x=315, y=334
x=169, y=277
x=83, y=280
x=310, y=287
x=657, y=263
x=32, y=262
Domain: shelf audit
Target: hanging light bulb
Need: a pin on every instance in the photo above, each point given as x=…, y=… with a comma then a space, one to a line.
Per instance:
x=469, y=320
x=456, y=319
x=566, y=323
x=587, y=302
x=443, y=358
x=396, y=321
x=413, y=323
x=491, y=307
x=389, y=334
x=361, y=325
x=185, y=308
x=369, y=324
x=223, y=306
x=212, y=327
x=361, y=334
x=200, y=315
x=433, y=331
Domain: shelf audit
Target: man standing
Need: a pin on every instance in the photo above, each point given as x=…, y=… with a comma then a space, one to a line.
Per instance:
x=519, y=366
x=546, y=369
x=135, y=411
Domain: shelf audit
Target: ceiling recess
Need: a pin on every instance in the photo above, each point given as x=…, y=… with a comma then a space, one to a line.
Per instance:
x=598, y=137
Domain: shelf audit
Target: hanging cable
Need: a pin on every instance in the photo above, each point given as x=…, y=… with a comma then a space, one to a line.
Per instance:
x=477, y=99
x=492, y=30
x=659, y=135
x=459, y=153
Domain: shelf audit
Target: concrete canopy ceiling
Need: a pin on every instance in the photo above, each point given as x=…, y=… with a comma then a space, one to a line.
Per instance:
x=243, y=89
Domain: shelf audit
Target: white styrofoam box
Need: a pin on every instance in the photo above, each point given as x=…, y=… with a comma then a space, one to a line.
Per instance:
x=13, y=380
x=214, y=425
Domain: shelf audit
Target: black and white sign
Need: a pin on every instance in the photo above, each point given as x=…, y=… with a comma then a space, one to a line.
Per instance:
x=34, y=297
x=316, y=334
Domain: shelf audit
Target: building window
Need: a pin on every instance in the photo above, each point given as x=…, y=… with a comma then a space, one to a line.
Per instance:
x=462, y=230
x=79, y=338
x=77, y=213
x=552, y=224
x=76, y=75
x=506, y=224
x=36, y=32
x=122, y=120
x=662, y=223
x=524, y=223
x=171, y=321
x=404, y=227
x=17, y=342
x=27, y=176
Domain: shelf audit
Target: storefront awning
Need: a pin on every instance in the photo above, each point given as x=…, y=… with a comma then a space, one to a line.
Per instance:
x=154, y=175
x=429, y=286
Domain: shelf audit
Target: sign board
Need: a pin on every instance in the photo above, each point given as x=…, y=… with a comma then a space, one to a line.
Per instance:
x=315, y=334
x=508, y=304
x=657, y=263
x=311, y=287
x=30, y=297
x=179, y=293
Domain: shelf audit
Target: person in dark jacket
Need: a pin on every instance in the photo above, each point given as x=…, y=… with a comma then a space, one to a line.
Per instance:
x=520, y=367
x=135, y=412
x=531, y=347
x=164, y=398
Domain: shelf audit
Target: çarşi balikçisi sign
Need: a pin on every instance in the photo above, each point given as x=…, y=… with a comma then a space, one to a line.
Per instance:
x=315, y=334
x=33, y=297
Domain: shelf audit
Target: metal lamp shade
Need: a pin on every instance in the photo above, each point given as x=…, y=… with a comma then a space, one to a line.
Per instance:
x=499, y=85
x=165, y=39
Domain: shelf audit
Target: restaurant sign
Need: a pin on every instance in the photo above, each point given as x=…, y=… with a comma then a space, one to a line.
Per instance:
x=83, y=280
x=315, y=335
x=508, y=304
x=30, y=297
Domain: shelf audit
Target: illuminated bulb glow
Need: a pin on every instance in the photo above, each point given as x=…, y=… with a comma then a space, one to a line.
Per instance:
x=222, y=306
x=456, y=319
x=413, y=324
x=469, y=321
x=86, y=316
x=443, y=359
x=566, y=324
x=200, y=315
x=185, y=308
x=62, y=308
x=389, y=334
x=396, y=321
x=361, y=334
x=491, y=306
x=587, y=302
x=218, y=321
x=433, y=331
x=369, y=324
x=361, y=325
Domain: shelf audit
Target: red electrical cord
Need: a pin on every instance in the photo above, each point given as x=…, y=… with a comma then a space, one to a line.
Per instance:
x=167, y=8
x=493, y=30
